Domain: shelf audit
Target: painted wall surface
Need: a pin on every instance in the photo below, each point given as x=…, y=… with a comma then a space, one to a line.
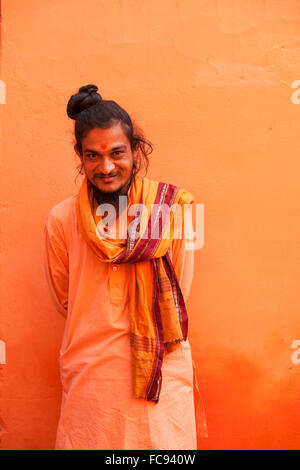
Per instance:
x=215, y=86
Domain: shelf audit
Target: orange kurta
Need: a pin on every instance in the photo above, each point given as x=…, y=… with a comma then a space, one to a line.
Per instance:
x=98, y=409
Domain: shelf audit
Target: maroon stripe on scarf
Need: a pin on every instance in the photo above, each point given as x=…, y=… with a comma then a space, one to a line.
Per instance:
x=183, y=317
x=154, y=386
x=148, y=246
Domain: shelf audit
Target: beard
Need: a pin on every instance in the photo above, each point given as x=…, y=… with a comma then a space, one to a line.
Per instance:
x=111, y=197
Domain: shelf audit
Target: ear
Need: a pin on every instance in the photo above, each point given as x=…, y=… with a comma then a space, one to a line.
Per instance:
x=135, y=156
x=77, y=151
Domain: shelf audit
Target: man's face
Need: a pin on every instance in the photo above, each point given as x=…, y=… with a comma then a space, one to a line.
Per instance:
x=107, y=158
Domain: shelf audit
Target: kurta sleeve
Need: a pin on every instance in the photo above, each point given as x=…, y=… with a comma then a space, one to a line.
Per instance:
x=56, y=263
x=182, y=256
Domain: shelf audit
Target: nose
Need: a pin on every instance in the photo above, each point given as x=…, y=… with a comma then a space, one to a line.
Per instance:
x=106, y=166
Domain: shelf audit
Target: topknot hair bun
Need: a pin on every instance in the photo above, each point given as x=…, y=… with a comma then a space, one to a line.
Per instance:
x=87, y=96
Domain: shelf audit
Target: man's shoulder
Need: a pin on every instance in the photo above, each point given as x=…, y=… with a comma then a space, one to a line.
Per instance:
x=184, y=195
x=62, y=210
x=164, y=181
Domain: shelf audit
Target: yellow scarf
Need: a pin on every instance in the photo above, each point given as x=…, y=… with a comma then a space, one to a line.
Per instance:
x=158, y=318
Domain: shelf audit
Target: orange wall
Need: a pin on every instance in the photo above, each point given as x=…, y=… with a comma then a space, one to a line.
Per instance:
x=210, y=82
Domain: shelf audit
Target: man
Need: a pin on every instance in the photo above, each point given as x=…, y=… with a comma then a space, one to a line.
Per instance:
x=125, y=361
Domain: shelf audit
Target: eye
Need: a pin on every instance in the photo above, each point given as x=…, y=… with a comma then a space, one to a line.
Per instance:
x=117, y=152
x=91, y=155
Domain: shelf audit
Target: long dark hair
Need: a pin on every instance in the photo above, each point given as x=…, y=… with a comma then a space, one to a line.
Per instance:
x=89, y=110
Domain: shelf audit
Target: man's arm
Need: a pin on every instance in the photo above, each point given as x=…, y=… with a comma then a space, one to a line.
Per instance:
x=56, y=264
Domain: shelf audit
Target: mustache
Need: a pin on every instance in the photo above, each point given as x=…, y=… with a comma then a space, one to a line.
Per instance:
x=106, y=176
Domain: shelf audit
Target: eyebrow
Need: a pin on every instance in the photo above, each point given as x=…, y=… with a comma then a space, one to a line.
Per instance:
x=113, y=148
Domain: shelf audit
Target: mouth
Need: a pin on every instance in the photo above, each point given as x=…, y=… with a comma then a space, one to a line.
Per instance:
x=106, y=179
